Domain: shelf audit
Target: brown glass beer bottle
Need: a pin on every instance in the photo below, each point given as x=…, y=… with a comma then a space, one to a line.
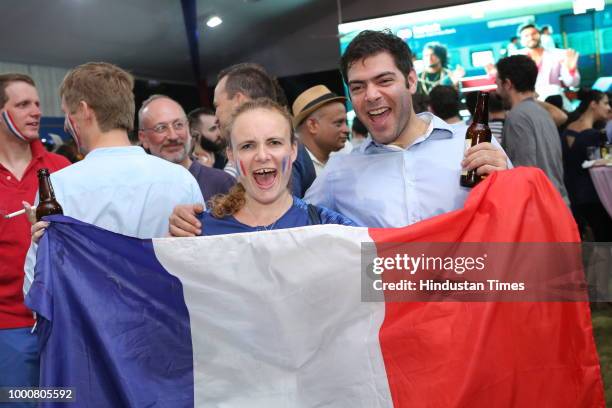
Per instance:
x=47, y=204
x=477, y=132
x=604, y=151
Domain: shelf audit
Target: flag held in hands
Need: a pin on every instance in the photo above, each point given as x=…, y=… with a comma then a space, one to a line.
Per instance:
x=277, y=319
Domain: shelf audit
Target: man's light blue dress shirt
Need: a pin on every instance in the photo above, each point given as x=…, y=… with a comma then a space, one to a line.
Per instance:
x=387, y=186
x=123, y=190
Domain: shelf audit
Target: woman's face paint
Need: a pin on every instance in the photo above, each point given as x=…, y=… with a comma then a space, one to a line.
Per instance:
x=262, y=151
x=12, y=127
x=285, y=164
x=241, y=168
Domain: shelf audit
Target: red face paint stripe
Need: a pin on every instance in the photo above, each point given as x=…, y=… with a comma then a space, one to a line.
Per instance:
x=242, y=168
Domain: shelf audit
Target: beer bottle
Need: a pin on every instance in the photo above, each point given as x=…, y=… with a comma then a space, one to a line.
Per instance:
x=47, y=204
x=477, y=132
x=603, y=144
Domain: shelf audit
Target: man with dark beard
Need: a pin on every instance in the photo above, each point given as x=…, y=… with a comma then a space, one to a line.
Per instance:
x=204, y=124
x=164, y=131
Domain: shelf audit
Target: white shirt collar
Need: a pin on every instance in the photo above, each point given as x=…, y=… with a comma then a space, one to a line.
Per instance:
x=434, y=123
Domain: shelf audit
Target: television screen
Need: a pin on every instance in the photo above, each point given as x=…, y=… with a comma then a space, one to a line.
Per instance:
x=603, y=84
x=479, y=33
x=482, y=58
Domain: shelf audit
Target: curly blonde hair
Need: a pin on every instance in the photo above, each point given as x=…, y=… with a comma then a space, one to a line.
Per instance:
x=223, y=205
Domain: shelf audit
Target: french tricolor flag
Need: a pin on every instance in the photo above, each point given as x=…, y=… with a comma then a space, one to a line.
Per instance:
x=276, y=319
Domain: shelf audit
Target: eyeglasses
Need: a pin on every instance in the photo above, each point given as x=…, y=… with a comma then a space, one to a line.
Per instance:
x=163, y=128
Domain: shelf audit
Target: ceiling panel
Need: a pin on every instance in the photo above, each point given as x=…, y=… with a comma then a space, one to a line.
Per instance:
x=148, y=37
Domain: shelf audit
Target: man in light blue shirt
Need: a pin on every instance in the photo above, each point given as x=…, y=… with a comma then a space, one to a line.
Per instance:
x=117, y=186
x=409, y=168
x=387, y=186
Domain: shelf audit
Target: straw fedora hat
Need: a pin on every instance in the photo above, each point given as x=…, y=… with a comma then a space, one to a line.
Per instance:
x=310, y=100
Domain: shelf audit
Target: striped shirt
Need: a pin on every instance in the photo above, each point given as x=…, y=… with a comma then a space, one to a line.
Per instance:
x=497, y=127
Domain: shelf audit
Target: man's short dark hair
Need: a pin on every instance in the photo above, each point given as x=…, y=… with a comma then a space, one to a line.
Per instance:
x=368, y=43
x=194, y=115
x=520, y=70
x=439, y=51
x=7, y=79
x=250, y=79
x=555, y=100
x=359, y=127
x=523, y=27
x=444, y=101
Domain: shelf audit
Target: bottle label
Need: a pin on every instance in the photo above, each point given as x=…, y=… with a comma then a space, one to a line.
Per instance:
x=468, y=144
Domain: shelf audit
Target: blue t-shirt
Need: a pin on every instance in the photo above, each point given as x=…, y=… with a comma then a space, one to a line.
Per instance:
x=296, y=216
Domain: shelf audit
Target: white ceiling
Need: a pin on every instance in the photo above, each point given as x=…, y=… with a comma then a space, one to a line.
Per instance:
x=148, y=37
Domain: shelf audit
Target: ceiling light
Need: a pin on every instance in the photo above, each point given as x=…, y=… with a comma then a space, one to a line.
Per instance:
x=214, y=21
x=582, y=6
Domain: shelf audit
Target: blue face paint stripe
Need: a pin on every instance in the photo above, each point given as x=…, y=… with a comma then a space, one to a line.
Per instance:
x=285, y=164
x=11, y=126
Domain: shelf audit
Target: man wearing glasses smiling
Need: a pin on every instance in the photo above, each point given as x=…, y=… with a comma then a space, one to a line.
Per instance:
x=164, y=132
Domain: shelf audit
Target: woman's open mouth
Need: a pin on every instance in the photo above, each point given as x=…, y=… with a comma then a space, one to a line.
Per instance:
x=265, y=178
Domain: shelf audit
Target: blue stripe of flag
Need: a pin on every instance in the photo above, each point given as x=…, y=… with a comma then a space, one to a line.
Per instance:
x=130, y=347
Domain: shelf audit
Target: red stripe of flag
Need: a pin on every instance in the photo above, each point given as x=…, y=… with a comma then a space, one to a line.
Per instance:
x=488, y=354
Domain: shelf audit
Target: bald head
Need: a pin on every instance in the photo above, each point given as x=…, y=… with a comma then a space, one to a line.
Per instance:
x=144, y=108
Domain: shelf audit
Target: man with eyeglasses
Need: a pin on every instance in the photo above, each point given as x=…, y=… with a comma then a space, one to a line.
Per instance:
x=164, y=131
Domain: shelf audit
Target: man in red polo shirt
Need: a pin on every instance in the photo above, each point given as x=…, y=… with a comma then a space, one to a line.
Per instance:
x=21, y=155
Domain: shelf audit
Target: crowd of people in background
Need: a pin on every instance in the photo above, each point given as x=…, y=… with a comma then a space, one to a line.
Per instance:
x=253, y=164
x=531, y=116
